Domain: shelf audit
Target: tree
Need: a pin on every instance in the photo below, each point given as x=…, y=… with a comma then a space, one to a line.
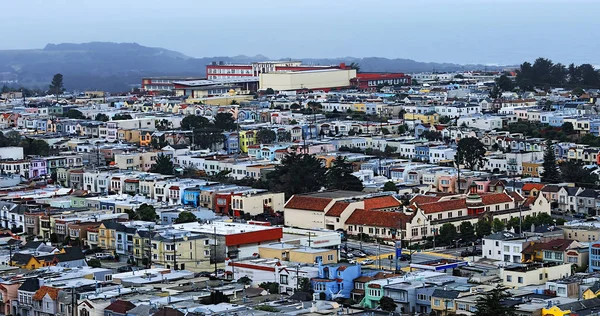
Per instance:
x=101, y=117
x=467, y=231
x=387, y=304
x=390, y=187
x=269, y=91
x=483, y=228
x=355, y=66
x=567, y=128
x=514, y=223
x=492, y=303
x=94, y=263
x=497, y=225
x=340, y=177
x=146, y=213
x=194, y=122
x=575, y=172
x=120, y=117
x=225, y=121
x=75, y=114
x=208, y=138
x=431, y=136
x=34, y=147
x=385, y=131
x=297, y=173
x=284, y=136
x=444, y=119
x=471, y=153
x=504, y=83
x=163, y=165
x=272, y=287
x=447, y=234
x=577, y=92
x=56, y=86
x=186, y=217
x=550, y=173
x=266, y=136
x=389, y=150
x=245, y=280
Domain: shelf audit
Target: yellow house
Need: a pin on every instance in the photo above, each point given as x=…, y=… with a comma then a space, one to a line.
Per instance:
x=107, y=235
x=142, y=246
x=426, y=118
x=531, y=169
x=129, y=135
x=555, y=311
x=247, y=138
x=444, y=305
x=592, y=292
x=181, y=251
x=288, y=252
x=359, y=107
x=31, y=262
x=145, y=138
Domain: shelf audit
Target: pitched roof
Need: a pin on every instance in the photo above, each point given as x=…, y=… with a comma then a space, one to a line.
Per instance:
x=445, y=293
x=167, y=311
x=422, y=199
x=120, y=307
x=495, y=198
x=531, y=186
x=378, y=218
x=381, y=202
x=51, y=291
x=337, y=209
x=303, y=202
x=441, y=206
x=553, y=245
x=30, y=285
x=551, y=188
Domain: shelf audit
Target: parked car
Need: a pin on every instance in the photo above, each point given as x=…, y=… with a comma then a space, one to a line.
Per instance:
x=352, y=261
x=359, y=253
x=125, y=269
x=367, y=262
x=404, y=257
x=471, y=252
x=104, y=256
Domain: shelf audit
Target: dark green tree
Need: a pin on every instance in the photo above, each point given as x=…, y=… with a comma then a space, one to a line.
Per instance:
x=186, y=217
x=146, y=212
x=101, y=117
x=387, y=304
x=120, y=117
x=225, y=121
x=467, y=231
x=390, y=187
x=389, y=150
x=266, y=136
x=492, y=303
x=195, y=122
x=34, y=147
x=297, y=173
x=447, y=234
x=471, y=153
x=269, y=91
x=504, y=83
x=245, y=280
x=444, y=119
x=284, y=136
x=567, y=128
x=94, y=263
x=483, y=228
x=208, y=138
x=56, y=86
x=432, y=136
x=514, y=223
x=355, y=66
x=572, y=171
x=163, y=165
x=216, y=297
x=75, y=114
x=497, y=225
x=550, y=173
x=339, y=176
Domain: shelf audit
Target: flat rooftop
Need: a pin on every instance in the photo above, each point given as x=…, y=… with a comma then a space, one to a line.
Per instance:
x=335, y=194
x=221, y=228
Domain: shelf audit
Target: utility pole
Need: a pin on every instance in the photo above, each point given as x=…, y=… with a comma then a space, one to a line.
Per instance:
x=215, y=244
x=297, y=278
x=174, y=253
x=73, y=301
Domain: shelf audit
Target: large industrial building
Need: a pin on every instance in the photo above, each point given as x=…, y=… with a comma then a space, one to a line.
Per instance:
x=222, y=70
x=324, y=79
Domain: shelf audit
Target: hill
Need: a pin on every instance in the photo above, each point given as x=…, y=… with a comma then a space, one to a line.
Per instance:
x=119, y=66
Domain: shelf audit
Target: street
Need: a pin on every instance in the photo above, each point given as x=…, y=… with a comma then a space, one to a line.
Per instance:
x=385, y=251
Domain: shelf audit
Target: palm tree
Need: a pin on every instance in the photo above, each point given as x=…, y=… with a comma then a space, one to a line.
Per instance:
x=355, y=65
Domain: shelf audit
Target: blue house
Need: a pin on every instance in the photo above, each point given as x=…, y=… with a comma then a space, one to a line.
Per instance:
x=556, y=120
x=191, y=196
x=310, y=131
x=595, y=127
x=419, y=129
x=422, y=152
x=594, y=264
x=232, y=142
x=336, y=280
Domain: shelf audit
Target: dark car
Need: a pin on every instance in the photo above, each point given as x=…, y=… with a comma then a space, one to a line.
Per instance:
x=404, y=257
x=125, y=269
x=204, y=274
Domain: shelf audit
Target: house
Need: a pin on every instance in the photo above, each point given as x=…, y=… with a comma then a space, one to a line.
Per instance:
x=533, y=274
x=442, y=301
x=336, y=281
x=503, y=246
x=553, y=251
x=45, y=301
x=24, y=305
x=88, y=307
x=118, y=308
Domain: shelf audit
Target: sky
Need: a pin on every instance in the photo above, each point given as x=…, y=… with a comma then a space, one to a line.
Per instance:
x=503, y=32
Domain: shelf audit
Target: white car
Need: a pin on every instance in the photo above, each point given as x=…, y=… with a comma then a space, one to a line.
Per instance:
x=367, y=262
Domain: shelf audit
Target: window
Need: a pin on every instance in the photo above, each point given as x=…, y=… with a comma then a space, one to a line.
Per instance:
x=330, y=257
x=436, y=302
x=283, y=279
x=422, y=297
x=520, y=280
x=509, y=278
x=107, y=277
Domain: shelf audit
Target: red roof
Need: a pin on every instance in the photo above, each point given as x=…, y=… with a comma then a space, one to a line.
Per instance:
x=422, y=199
x=530, y=200
x=378, y=218
x=441, y=206
x=382, y=202
x=251, y=266
x=516, y=196
x=120, y=307
x=531, y=186
x=51, y=291
x=337, y=209
x=495, y=198
x=302, y=202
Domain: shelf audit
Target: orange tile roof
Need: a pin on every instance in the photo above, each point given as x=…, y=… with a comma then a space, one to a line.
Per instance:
x=378, y=218
x=422, y=199
x=381, y=202
x=516, y=196
x=302, y=202
x=531, y=186
x=441, y=206
x=337, y=209
x=51, y=291
x=495, y=198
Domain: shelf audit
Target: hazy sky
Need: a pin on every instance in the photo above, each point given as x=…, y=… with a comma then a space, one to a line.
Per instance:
x=460, y=31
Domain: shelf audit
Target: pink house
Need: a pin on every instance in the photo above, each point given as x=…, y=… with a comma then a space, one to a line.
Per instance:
x=9, y=293
x=447, y=184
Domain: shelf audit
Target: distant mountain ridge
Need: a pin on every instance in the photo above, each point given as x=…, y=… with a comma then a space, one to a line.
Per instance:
x=119, y=66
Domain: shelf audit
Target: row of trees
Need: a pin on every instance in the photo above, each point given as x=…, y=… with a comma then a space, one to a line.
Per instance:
x=303, y=173
x=448, y=233
x=566, y=171
x=544, y=73
x=207, y=134
x=34, y=147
